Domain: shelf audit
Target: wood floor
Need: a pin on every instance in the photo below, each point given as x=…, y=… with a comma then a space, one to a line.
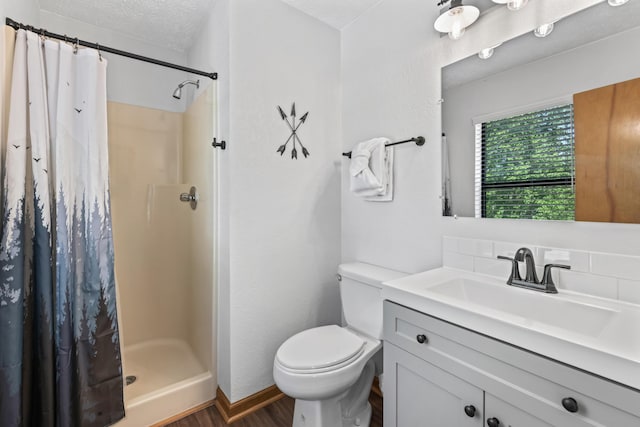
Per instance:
x=278, y=414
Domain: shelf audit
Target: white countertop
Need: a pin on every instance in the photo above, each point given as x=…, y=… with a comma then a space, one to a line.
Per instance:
x=610, y=349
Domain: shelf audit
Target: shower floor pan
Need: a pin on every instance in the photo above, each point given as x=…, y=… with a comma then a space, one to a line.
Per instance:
x=169, y=380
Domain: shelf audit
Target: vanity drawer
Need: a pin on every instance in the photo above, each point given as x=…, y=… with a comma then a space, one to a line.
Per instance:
x=515, y=375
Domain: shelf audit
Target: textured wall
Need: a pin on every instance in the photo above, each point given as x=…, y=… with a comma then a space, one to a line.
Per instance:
x=391, y=84
x=129, y=81
x=337, y=13
x=389, y=87
x=284, y=218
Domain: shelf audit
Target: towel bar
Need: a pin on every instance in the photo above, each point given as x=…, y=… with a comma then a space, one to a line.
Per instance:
x=419, y=140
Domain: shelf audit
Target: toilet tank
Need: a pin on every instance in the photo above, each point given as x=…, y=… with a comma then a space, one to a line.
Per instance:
x=360, y=292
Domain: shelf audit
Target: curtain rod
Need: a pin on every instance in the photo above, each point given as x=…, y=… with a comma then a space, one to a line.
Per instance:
x=17, y=25
x=419, y=140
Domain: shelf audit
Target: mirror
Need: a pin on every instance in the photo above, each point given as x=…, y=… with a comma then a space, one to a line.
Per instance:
x=531, y=79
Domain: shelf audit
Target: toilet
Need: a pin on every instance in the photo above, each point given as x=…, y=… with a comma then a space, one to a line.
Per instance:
x=329, y=370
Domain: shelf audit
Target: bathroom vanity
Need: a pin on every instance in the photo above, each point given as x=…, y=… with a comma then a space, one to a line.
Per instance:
x=451, y=360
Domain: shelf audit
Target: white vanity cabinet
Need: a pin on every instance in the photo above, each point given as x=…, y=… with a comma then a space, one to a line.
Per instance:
x=439, y=374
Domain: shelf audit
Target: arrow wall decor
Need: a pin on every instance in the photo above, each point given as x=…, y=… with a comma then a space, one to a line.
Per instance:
x=294, y=129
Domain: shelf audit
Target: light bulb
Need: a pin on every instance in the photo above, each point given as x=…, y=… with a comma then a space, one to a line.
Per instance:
x=457, y=31
x=516, y=4
x=543, y=30
x=615, y=3
x=486, y=53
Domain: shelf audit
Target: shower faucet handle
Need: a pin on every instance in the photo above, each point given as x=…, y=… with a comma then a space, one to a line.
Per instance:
x=191, y=197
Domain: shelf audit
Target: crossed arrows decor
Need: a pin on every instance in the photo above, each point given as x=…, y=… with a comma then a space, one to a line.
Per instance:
x=294, y=129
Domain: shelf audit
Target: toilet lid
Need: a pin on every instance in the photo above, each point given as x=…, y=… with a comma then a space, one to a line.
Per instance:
x=319, y=348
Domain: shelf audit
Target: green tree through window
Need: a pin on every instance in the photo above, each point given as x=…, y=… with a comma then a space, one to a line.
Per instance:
x=527, y=166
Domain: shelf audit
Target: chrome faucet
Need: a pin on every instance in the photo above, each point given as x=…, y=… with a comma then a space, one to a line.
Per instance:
x=531, y=280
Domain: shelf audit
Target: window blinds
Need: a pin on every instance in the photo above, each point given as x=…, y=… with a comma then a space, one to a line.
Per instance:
x=525, y=166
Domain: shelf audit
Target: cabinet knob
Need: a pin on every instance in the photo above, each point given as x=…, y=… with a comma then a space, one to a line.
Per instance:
x=570, y=404
x=493, y=422
x=470, y=410
x=422, y=338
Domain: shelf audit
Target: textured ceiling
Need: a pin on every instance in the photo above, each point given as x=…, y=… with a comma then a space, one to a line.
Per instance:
x=176, y=23
x=337, y=13
x=170, y=23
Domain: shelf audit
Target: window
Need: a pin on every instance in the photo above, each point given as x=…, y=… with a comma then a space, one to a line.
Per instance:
x=525, y=166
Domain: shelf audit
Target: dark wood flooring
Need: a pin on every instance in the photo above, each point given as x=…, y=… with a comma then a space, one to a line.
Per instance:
x=278, y=414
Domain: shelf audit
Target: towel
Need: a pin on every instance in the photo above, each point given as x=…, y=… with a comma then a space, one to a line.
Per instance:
x=371, y=170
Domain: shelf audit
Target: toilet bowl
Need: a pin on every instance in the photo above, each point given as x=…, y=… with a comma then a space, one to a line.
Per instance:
x=329, y=369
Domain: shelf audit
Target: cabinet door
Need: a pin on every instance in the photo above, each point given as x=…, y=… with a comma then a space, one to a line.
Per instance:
x=421, y=395
x=508, y=415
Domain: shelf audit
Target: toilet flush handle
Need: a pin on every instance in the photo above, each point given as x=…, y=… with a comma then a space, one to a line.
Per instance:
x=339, y=277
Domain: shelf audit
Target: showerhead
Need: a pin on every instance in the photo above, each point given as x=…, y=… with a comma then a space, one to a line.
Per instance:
x=177, y=94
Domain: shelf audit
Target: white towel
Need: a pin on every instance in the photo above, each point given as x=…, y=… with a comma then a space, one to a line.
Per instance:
x=371, y=170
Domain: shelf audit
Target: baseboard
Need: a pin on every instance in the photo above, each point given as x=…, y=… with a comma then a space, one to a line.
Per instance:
x=234, y=411
x=184, y=414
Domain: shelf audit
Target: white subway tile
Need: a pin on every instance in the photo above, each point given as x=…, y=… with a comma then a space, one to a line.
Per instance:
x=600, y=286
x=454, y=260
x=450, y=244
x=492, y=267
x=476, y=247
x=620, y=266
x=629, y=290
x=578, y=260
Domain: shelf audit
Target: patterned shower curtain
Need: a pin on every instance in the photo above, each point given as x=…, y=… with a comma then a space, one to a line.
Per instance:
x=60, y=361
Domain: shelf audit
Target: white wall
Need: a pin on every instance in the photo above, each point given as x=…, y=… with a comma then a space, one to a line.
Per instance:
x=284, y=214
x=211, y=52
x=279, y=219
x=558, y=76
x=390, y=87
x=391, y=84
x=129, y=81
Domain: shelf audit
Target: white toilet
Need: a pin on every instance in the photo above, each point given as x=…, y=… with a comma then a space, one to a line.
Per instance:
x=329, y=370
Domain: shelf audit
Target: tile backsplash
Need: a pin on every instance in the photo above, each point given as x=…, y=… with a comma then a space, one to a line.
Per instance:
x=600, y=274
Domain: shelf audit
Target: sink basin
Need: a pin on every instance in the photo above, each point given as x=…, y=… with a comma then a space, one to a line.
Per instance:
x=528, y=306
x=594, y=334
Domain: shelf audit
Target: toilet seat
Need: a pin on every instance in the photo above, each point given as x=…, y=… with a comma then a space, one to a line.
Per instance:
x=320, y=350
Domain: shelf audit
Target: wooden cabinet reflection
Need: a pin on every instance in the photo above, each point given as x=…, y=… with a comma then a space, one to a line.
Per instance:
x=607, y=152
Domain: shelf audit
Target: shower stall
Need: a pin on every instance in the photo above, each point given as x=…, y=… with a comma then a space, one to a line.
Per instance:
x=164, y=242
x=162, y=170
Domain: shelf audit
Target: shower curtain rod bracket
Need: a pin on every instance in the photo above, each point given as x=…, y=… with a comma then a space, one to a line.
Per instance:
x=221, y=144
x=102, y=49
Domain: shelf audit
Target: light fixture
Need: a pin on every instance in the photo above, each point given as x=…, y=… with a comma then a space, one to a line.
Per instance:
x=615, y=3
x=455, y=20
x=513, y=4
x=543, y=30
x=487, y=52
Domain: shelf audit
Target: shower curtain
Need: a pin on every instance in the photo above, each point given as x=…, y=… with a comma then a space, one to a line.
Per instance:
x=60, y=361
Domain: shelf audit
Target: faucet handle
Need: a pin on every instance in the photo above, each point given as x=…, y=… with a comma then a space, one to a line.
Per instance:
x=515, y=271
x=547, y=279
